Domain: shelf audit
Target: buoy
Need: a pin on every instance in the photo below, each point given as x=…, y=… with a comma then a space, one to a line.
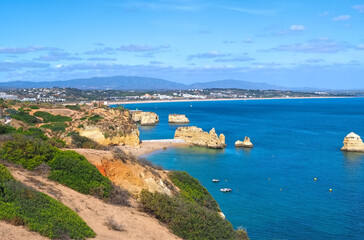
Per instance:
x=315, y=179
x=269, y=178
x=280, y=189
x=330, y=190
x=225, y=180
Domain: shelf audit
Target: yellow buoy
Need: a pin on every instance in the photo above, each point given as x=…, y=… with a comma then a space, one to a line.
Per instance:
x=268, y=178
x=330, y=190
x=225, y=180
x=315, y=179
x=280, y=189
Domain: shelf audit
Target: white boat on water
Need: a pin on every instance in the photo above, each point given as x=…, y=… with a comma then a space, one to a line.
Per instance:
x=225, y=190
x=215, y=180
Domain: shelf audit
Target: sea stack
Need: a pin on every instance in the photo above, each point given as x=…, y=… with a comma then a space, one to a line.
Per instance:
x=245, y=144
x=198, y=137
x=353, y=143
x=145, y=118
x=178, y=118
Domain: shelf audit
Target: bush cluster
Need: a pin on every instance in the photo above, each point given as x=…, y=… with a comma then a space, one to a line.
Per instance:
x=79, y=141
x=55, y=127
x=67, y=167
x=74, y=107
x=95, y=118
x=24, y=117
x=187, y=219
x=48, y=117
x=73, y=170
x=21, y=205
x=192, y=190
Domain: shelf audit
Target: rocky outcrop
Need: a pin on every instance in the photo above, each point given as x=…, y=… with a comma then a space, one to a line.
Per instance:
x=107, y=127
x=198, y=137
x=178, y=118
x=245, y=144
x=353, y=143
x=145, y=118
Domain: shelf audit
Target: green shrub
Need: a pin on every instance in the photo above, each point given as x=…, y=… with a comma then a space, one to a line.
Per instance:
x=25, y=117
x=6, y=129
x=74, y=171
x=83, y=118
x=187, y=219
x=81, y=126
x=48, y=117
x=34, y=132
x=21, y=205
x=192, y=190
x=34, y=107
x=74, y=107
x=27, y=151
x=56, y=127
x=95, y=118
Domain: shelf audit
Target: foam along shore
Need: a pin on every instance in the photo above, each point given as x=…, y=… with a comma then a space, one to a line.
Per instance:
x=147, y=147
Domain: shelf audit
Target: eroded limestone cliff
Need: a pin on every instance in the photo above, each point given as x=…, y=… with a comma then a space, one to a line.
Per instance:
x=145, y=118
x=246, y=143
x=178, y=118
x=353, y=143
x=198, y=137
x=107, y=126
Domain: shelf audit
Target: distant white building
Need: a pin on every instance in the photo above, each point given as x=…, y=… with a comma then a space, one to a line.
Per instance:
x=4, y=95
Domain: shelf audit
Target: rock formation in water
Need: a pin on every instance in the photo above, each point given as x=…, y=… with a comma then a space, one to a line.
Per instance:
x=107, y=127
x=198, y=137
x=178, y=118
x=353, y=143
x=246, y=143
x=145, y=118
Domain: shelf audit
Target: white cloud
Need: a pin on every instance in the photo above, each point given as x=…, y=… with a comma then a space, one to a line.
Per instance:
x=297, y=28
x=360, y=8
x=342, y=18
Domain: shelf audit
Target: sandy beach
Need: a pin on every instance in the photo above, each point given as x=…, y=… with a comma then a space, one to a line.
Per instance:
x=210, y=100
x=151, y=147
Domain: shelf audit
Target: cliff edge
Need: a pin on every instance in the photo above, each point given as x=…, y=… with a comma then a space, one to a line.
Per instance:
x=198, y=137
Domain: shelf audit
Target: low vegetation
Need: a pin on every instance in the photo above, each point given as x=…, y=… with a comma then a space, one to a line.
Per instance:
x=21, y=205
x=74, y=107
x=79, y=141
x=56, y=127
x=187, y=219
x=48, y=117
x=95, y=118
x=73, y=170
x=24, y=117
x=192, y=190
x=67, y=167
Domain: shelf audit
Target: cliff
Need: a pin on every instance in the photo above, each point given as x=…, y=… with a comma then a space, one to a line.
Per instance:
x=145, y=118
x=246, y=143
x=107, y=127
x=178, y=118
x=198, y=137
x=353, y=143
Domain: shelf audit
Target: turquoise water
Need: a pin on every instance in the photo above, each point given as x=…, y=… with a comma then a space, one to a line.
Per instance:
x=295, y=141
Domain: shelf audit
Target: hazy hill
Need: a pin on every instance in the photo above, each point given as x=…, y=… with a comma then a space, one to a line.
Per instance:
x=136, y=83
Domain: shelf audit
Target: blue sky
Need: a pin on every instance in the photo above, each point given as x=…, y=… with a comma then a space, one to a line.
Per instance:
x=302, y=43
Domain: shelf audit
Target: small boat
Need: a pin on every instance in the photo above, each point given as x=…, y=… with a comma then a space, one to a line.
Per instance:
x=225, y=190
x=215, y=180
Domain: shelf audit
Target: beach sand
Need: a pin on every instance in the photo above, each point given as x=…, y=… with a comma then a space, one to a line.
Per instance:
x=151, y=147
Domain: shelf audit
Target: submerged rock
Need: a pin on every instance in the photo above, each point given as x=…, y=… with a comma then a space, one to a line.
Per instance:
x=145, y=118
x=353, y=143
x=246, y=143
x=198, y=137
x=178, y=118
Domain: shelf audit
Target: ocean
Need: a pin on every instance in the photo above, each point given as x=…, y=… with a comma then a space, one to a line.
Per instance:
x=274, y=192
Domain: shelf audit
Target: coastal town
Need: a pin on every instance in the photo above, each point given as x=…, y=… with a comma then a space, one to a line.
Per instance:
x=52, y=95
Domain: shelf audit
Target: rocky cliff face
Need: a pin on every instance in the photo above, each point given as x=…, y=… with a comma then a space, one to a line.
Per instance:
x=107, y=127
x=178, y=118
x=246, y=143
x=145, y=118
x=198, y=137
x=353, y=143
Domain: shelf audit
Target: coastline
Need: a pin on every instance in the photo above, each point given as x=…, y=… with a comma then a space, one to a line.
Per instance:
x=214, y=99
x=148, y=148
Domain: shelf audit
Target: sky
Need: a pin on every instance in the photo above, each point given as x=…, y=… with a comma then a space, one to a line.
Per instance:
x=302, y=43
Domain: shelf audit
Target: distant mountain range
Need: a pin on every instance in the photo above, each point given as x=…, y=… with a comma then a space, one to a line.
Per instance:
x=137, y=83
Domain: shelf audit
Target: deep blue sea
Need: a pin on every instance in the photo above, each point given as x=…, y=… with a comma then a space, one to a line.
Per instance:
x=295, y=141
